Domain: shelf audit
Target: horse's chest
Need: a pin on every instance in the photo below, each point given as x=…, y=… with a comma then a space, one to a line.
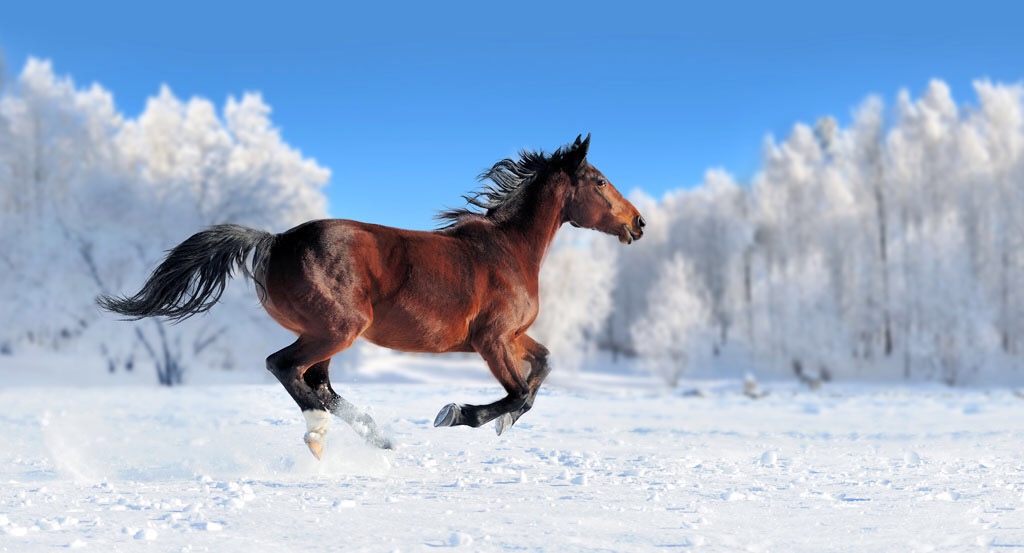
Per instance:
x=521, y=306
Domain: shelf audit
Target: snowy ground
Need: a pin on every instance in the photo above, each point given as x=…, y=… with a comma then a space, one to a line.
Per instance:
x=609, y=463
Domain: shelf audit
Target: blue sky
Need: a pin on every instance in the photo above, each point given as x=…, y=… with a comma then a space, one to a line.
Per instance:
x=407, y=102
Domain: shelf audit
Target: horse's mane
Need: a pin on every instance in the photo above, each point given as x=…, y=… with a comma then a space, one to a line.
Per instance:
x=509, y=181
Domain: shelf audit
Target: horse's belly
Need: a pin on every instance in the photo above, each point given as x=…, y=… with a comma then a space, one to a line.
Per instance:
x=404, y=331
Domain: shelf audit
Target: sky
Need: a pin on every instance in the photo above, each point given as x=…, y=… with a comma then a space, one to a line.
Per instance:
x=407, y=102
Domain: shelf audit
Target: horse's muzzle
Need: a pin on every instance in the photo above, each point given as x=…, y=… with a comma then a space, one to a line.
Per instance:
x=628, y=235
x=632, y=233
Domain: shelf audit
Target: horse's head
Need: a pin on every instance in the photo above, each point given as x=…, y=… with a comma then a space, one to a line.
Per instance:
x=594, y=203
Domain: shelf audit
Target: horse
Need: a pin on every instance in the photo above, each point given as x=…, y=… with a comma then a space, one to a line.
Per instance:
x=471, y=285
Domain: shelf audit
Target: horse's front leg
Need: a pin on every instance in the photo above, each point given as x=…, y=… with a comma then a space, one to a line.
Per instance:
x=537, y=356
x=504, y=359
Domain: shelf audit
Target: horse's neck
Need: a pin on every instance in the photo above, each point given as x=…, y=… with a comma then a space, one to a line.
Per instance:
x=533, y=229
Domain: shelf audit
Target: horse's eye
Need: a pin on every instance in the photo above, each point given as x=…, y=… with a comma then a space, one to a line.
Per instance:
x=601, y=182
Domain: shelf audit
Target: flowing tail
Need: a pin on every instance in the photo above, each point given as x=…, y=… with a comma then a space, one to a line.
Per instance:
x=193, y=276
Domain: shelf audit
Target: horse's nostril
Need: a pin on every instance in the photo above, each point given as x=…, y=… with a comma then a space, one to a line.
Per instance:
x=640, y=223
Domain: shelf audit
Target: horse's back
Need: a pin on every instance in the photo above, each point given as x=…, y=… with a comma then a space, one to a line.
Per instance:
x=418, y=290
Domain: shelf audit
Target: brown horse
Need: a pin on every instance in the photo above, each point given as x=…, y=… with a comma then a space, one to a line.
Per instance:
x=470, y=286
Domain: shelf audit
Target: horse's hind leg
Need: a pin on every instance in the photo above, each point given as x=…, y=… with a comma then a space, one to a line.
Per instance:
x=291, y=365
x=317, y=379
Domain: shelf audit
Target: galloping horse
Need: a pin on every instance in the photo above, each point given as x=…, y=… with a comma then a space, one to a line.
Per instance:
x=470, y=286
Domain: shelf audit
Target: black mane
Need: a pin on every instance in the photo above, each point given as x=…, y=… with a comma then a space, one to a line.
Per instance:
x=509, y=181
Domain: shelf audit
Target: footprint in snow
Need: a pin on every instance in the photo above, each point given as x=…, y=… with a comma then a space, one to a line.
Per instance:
x=460, y=539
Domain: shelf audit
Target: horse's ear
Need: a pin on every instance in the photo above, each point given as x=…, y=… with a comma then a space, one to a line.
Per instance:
x=578, y=152
x=585, y=145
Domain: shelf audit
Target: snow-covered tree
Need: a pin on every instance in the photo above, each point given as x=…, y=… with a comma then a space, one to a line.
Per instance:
x=94, y=200
x=575, y=295
x=675, y=327
x=887, y=247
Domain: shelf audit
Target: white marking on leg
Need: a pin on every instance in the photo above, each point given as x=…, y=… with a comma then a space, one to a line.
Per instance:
x=317, y=421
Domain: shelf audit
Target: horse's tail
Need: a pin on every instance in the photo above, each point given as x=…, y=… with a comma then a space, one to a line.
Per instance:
x=192, y=277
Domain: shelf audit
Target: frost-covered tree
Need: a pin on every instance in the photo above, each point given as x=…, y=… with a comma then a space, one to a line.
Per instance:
x=673, y=330
x=861, y=157
x=635, y=275
x=94, y=200
x=993, y=145
x=888, y=247
x=709, y=226
x=950, y=322
x=575, y=295
x=711, y=231
x=57, y=147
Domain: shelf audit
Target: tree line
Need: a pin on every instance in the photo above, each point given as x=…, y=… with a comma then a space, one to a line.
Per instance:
x=890, y=247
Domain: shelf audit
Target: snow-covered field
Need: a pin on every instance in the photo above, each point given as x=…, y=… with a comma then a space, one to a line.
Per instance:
x=603, y=462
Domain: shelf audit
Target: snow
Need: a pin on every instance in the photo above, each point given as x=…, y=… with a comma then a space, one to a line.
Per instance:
x=881, y=252
x=602, y=462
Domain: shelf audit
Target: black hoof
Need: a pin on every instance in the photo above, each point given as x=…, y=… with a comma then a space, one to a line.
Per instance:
x=448, y=416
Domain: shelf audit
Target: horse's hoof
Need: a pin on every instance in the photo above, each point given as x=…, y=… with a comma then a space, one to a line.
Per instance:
x=380, y=442
x=315, y=442
x=448, y=415
x=503, y=423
